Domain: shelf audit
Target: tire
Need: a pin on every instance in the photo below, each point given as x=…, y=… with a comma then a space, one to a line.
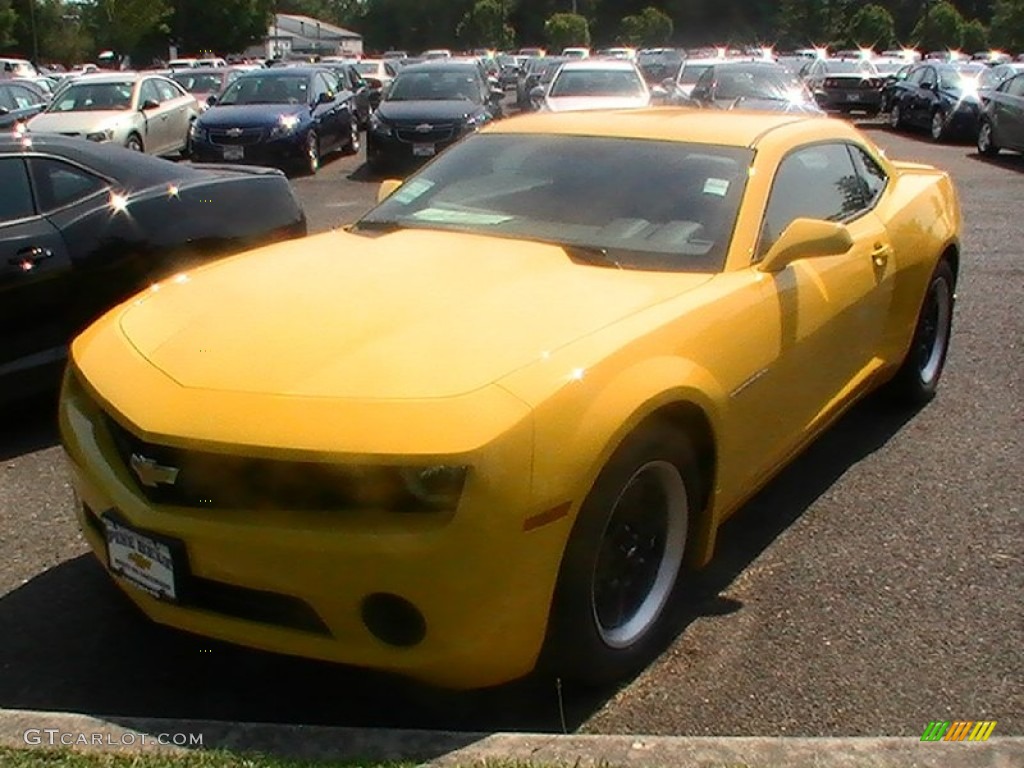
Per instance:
x=937, y=128
x=896, y=117
x=918, y=377
x=352, y=145
x=134, y=143
x=987, y=146
x=614, y=609
x=311, y=155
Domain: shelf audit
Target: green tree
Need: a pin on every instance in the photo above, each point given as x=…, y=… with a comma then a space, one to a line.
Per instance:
x=63, y=37
x=8, y=20
x=872, y=25
x=223, y=26
x=122, y=24
x=1008, y=25
x=940, y=28
x=567, y=29
x=975, y=36
x=485, y=25
x=650, y=27
x=803, y=22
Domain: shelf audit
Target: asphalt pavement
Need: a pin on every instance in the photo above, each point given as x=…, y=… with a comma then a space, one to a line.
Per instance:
x=873, y=587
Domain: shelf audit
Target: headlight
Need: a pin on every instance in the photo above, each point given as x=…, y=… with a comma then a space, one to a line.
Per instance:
x=437, y=487
x=286, y=126
x=105, y=135
x=378, y=126
x=473, y=123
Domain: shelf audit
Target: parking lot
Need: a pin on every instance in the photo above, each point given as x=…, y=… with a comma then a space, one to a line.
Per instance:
x=875, y=586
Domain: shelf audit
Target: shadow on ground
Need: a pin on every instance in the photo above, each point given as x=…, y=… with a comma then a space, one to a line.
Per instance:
x=29, y=425
x=71, y=642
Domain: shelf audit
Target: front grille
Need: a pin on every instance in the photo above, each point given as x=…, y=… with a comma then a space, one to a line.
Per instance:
x=436, y=133
x=204, y=480
x=224, y=137
x=232, y=600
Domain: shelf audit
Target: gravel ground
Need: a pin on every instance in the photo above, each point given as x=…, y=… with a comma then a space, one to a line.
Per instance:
x=875, y=586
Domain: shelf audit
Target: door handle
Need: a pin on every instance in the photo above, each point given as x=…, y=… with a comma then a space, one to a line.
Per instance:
x=880, y=254
x=27, y=258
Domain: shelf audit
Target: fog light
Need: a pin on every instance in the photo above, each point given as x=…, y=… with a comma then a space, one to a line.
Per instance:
x=393, y=620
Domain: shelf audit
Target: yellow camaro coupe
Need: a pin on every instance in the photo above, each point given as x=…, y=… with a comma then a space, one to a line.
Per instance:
x=491, y=426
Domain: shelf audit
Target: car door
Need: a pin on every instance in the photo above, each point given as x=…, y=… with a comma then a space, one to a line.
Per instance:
x=925, y=97
x=360, y=94
x=35, y=272
x=830, y=312
x=178, y=106
x=325, y=114
x=1008, y=113
x=158, y=129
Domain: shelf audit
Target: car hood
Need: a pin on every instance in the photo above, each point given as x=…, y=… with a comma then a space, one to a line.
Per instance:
x=79, y=122
x=240, y=115
x=407, y=315
x=770, y=105
x=582, y=103
x=428, y=110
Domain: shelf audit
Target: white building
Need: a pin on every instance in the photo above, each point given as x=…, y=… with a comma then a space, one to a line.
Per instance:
x=291, y=35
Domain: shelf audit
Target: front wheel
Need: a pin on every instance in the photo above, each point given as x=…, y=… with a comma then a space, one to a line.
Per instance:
x=938, y=127
x=918, y=377
x=352, y=145
x=987, y=146
x=311, y=158
x=896, y=117
x=619, y=582
x=134, y=143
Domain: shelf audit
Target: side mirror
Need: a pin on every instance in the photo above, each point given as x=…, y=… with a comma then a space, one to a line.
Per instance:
x=211, y=100
x=805, y=238
x=4, y=111
x=323, y=98
x=386, y=188
x=928, y=86
x=149, y=104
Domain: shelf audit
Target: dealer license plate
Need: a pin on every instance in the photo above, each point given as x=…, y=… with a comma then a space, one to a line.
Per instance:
x=234, y=153
x=423, y=150
x=142, y=560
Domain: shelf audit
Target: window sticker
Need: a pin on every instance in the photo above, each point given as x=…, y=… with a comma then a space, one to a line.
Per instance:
x=441, y=216
x=717, y=187
x=409, y=191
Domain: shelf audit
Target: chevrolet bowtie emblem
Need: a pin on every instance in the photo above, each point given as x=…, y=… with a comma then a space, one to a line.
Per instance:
x=234, y=132
x=424, y=128
x=150, y=473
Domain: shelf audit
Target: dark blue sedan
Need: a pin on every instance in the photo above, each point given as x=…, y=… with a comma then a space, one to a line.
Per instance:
x=289, y=118
x=941, y=98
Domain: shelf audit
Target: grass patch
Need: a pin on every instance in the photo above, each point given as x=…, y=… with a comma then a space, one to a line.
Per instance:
x=61, y=758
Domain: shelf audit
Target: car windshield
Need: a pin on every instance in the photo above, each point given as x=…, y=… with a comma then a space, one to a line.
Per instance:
x=435, y=85
x=691, y=73
x=93, y=97
x=651, y=205
x=199, y=83
x=770, y=84
x=597, y=82
x=960, y=77
x=267, y=89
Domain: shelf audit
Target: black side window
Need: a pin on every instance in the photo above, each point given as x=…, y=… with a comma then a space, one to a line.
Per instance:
x=6, y=99
x=58, y=183
x=24, y=98
x=871, y=175
x=702, y=88
x=16, y=200
x=915, y=76
x=321, y=85
x=817, y=182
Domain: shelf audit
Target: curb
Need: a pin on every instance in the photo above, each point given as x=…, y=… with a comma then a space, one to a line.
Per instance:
x=29, y=729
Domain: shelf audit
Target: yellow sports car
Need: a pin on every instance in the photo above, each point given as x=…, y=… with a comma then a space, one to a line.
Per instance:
x=492, y=425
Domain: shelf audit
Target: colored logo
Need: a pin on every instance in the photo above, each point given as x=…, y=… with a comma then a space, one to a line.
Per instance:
x=958, y=730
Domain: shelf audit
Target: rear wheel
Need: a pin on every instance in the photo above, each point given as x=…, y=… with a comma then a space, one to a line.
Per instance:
x=619, y=583
x=986, y=140
x=918, y=378
x=352, y=145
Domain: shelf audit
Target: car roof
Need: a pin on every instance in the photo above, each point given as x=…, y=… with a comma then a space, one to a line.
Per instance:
x=205, y=71
x=308, y=71
x=683, y=124
x=448, y=65
x=703, y=62
x=112, y=77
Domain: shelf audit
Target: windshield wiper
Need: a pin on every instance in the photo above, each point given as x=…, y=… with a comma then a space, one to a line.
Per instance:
x=590, y=254
x=380, y=225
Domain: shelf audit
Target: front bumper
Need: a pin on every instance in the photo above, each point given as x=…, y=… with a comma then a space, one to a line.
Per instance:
x=392, y=151
x=278, y=152
x=295, y=582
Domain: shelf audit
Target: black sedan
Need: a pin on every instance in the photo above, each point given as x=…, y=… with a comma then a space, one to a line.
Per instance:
x=758, y=85
x=84, y=225
x=941, y=98
x=18, y=102
x=287, y=117
x=1002, y=121
x=429, y=107
x=846, y=85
